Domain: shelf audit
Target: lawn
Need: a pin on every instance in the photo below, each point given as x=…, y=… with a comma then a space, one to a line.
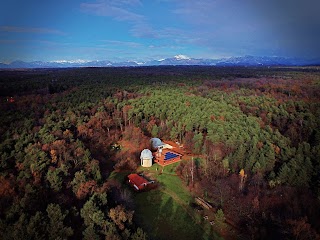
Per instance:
x=165, y=212
x=164, y=218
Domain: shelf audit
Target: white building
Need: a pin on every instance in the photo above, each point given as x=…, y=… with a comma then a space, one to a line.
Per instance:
x=146, y=158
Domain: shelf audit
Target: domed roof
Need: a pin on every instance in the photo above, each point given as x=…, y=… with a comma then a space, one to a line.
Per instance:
x=156, y=142
x=146, y=153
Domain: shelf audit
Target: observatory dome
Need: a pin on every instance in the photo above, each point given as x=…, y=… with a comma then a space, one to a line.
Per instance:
x=146, y=158
x=156, y=142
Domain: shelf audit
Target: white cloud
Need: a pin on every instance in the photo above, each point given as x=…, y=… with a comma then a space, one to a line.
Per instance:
x=121, y=43
x=115, y=9
x=274, y=26
x=224, y=26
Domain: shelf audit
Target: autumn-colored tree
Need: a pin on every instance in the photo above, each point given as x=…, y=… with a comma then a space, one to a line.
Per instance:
x=125, y=111
x=243, y=177
x=301, y=229
x=57, y=133
x=120, y=216
x=86, y=188
x=7, y=187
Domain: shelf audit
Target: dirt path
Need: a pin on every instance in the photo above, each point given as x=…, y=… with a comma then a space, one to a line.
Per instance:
x=179, y=201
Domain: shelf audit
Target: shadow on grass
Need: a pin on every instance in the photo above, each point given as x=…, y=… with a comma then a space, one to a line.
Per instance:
x=163, y=212
x=163, y=218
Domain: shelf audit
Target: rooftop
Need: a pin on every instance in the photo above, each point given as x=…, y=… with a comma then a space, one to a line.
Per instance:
x=137, y=181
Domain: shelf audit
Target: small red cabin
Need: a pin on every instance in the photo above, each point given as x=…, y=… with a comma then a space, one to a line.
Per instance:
x=10, y=99
x=138, y=182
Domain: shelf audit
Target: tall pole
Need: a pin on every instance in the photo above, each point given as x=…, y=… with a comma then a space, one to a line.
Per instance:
x=191, y=171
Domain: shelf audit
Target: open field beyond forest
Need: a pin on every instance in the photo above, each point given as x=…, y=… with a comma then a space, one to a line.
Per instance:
x=70, y=137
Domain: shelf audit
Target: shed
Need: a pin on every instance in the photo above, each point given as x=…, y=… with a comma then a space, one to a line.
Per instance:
x=138, y=182
x=146, y=158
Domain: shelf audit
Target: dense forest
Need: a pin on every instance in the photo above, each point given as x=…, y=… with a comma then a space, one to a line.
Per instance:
x=253, y=134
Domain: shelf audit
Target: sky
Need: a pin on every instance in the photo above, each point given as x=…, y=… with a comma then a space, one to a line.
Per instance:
x=141, y=30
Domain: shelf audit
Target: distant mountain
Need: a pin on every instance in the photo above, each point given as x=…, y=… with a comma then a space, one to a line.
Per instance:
x=3, y=65
x=234, y=61
x=263, y=61
x=181, y=60
x=56, y=64
x=176, y=60
x=125, y=64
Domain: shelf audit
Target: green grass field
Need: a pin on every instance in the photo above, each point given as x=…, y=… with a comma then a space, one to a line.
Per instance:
x=165, y=212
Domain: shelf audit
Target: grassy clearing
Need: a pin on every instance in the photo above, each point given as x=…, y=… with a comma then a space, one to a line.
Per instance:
x=165, y=213
x=155, y=168
x=164, y=218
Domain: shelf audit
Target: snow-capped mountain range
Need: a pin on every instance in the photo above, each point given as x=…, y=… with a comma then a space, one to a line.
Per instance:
x=176, y=60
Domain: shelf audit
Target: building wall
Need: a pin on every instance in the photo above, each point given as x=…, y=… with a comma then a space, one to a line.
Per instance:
x=146, y=162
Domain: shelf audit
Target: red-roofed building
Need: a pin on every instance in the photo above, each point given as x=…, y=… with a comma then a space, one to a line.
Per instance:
x=10, y=99
x=138, y=182
x=173, y=146
x=168, y=152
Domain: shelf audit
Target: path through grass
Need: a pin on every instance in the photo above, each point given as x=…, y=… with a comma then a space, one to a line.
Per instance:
x=165, y=213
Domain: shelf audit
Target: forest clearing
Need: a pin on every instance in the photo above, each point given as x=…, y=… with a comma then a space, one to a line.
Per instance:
x=166, y=211
x=70, y=137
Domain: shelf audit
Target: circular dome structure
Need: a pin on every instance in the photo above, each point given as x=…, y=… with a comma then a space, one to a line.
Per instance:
x=146, y=158
x=156, y=143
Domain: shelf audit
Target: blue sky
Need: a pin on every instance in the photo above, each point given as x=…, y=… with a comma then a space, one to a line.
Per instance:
x=140, y=30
